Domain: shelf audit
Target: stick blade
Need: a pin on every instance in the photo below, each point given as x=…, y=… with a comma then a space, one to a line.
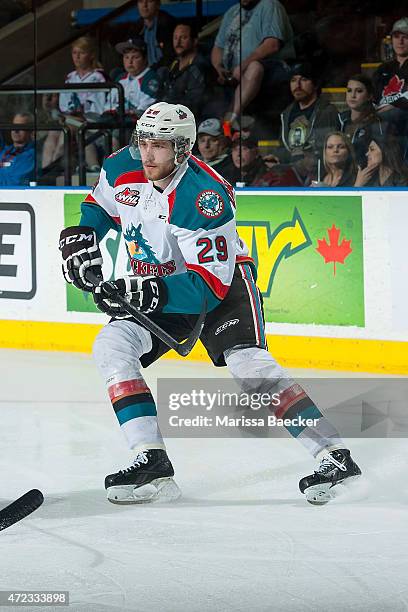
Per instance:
x=20, y=508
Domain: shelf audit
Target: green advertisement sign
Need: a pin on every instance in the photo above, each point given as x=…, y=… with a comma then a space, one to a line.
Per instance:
x=309, y=252
x=308, y=249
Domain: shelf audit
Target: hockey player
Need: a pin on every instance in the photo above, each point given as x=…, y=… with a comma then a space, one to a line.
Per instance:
x=177, y=217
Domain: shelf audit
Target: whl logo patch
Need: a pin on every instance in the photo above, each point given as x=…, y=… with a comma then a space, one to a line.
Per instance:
x=128, y=196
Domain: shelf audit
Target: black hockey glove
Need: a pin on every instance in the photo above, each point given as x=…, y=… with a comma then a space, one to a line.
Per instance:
x=80, y=252
x=146, y=293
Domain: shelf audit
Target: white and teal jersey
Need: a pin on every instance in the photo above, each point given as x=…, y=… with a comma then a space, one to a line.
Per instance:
x=185, y=234
x=83, y=101
x=140, y=92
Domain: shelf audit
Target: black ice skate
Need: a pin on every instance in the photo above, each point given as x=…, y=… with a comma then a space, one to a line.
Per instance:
x=335, y=467
x=148, y=479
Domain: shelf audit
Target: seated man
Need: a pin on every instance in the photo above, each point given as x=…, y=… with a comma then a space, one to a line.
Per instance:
x=140, y=82
x=249, y=166
x=213, y=147
x=390, y=82
x=307, y=120
x=184, y=81
x=267, y=41
x=155, y=27
x=17, y=159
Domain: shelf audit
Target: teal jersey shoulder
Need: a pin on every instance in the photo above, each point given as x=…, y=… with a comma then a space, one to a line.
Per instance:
x=201, y=200
x=150, y=83
x=120, y=162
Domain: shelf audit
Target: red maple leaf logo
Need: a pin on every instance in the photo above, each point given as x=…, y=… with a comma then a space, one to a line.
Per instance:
x=394, y=86
x=333, y=251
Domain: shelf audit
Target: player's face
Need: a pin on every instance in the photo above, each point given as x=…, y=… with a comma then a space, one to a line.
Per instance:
x=134, y=62
x=182, y=41
x=209, y=146
x=374, y=154
x=336, y=151
x=400, y=44
x=157, y=158
x=81, y=59
x=148, y=8
x=302, y=89
x=357, y=96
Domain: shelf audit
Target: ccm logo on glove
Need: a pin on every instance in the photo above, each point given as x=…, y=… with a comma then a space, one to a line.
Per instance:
x=69, y=240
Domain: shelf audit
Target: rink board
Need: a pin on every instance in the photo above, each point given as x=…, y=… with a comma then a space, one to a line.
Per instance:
x=330, y=263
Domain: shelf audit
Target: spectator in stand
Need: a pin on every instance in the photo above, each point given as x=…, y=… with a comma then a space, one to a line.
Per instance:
x=140, y=84
x=214, y=148
x=310, y=117
x=267, y=43
x=87, y=70
x=156, y=28
x=338, y=161
x=385, y=166
x=17, y=160
x=391, y=83
x=360, y=121
x=76, y=105
x=248, y=163
x=184, y=81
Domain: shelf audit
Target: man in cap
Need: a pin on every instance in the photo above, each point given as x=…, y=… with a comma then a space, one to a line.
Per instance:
x=307, y=120
x=213, y=147
x=248, y=163
x=390, y=82
x=140, y=83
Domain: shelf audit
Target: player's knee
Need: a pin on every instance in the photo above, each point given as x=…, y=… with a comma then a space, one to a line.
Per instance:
x=102, y=345
x=253, y=362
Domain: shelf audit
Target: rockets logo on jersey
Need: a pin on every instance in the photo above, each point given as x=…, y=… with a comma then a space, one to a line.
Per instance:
x=210, y=203
x=128, y=196
x=137, y=246
x=142, y=257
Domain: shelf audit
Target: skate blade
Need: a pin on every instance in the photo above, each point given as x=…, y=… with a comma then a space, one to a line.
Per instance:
x=159, y=490
x=321, y=494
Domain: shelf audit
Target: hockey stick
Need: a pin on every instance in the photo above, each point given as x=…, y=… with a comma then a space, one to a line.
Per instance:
x=182, y=348
x=19, y=509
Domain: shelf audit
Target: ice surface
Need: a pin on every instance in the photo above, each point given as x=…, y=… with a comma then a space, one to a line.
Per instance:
x=242, y=538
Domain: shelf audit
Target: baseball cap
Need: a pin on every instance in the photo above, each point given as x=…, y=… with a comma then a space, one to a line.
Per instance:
x=211, y=126
x=400, y=26
x=132, y=43
x=246, y=138
x=305, y=70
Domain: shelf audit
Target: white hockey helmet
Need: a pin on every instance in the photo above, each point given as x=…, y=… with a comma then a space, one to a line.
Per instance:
x=163, y=121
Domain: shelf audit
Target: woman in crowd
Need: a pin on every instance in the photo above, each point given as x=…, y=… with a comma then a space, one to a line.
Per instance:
x=339, y=161
x=385, y=166
x=75, y=105
x=360, y=122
